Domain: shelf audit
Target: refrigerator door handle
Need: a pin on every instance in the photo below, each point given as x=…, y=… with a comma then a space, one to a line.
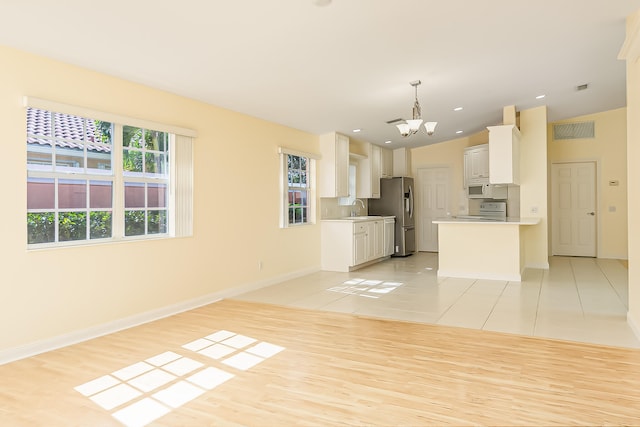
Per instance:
x=410, y=201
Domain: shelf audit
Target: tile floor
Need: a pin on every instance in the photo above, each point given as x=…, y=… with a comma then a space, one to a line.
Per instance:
x=577, y=299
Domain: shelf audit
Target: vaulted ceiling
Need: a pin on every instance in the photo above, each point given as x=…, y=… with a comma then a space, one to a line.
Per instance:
x=346, y=65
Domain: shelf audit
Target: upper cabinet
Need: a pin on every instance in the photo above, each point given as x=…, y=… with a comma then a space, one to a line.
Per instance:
x=387, y=163
x=369, y=172
x=334, y=165
x=504, y=154
x=476, y=164
x=401, y=162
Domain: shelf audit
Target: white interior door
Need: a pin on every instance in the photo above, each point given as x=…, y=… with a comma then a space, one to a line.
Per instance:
x=433, y=202
x=573, y=209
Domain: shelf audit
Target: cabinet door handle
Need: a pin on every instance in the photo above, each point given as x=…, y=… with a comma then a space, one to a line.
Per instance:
x=591, y=213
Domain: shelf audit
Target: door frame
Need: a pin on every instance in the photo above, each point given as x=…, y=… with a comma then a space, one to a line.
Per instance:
x=418, y=195
x=598, y=191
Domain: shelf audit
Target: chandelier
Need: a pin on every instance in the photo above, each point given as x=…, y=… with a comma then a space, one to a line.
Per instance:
x=410, y=127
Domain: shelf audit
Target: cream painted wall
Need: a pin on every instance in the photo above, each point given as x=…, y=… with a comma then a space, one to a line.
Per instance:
x=533, y=185
x=47, y=293
x=609, y=150
x=631, y=52
x=533, y=177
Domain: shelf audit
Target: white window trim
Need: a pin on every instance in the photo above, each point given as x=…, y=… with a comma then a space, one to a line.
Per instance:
x=180, y=203
x=284, y=187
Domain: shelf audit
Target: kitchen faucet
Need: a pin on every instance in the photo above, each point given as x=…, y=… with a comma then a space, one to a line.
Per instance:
x=353, y=211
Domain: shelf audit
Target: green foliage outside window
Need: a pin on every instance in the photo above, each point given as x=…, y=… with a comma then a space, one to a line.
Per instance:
x=135, y=140
x=41, y=227
x=100, y=225
x=71, y=226
x=103, y=131
x=134, y=223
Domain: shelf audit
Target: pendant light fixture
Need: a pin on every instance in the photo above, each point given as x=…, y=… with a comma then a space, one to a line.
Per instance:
x=410, y=127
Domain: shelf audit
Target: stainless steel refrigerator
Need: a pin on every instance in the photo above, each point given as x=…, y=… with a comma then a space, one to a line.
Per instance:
x=396, y=198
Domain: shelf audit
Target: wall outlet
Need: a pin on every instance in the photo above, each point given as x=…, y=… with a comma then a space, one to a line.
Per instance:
x=533, y=210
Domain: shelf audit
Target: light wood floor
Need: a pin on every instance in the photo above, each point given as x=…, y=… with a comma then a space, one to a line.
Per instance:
x=340, y=369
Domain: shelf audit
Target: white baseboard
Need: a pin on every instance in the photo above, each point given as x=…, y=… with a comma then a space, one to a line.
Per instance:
x=483, y=276
x=53, y=343
x=538, y=265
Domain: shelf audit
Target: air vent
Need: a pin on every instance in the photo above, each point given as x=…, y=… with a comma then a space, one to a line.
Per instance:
x=574, y=130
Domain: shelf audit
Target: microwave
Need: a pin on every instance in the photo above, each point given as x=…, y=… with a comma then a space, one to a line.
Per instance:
x=486, y=191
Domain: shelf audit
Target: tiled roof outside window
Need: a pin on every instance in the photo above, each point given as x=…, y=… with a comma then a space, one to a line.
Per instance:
x=67, y=130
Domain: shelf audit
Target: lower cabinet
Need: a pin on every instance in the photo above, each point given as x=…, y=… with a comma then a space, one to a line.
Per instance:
x=375, y=236
x=360, y=244
x=347, y=244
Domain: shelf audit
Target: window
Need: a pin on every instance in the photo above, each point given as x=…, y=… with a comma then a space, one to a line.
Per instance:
x=351, y=199
x=298, y=198
x=70, y=179
x=92, y=180
x=145, y=161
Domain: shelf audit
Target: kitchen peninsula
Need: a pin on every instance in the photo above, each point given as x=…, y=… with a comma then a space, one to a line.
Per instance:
x=482, y=249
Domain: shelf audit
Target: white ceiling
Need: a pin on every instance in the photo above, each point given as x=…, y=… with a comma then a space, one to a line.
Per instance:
x=346, y=65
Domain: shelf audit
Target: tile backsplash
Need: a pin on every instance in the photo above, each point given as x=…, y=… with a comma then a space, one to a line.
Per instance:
x=329, y=208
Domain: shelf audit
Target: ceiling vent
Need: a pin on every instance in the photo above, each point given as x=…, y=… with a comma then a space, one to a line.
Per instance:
x=574, y=130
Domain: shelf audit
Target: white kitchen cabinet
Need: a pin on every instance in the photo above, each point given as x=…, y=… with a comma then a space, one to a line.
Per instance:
x=360, y=243
x=369, y=171
x=504, y=154
x=334, y=165
x=476, y=164
x=348, y=244
x=401, y=162
x=375, y=239
x=379, y=239
x=386, y=171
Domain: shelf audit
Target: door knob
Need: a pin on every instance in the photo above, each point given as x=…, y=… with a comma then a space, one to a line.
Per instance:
x=591, y=213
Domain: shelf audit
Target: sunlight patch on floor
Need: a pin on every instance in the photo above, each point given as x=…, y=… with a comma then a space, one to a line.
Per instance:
x=147, y=390
x=366, y=288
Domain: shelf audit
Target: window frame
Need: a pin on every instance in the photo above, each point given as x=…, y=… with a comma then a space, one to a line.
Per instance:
x=178, y=176
x=285, y=187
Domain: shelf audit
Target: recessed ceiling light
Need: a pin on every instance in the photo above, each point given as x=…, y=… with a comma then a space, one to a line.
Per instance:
x=459, y=131
x=357, y=130
x=387, y=142
x=457, y=109
x=540, y=96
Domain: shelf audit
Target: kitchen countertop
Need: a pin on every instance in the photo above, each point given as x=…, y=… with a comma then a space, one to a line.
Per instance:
x=359, y=218
x=507, y=221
